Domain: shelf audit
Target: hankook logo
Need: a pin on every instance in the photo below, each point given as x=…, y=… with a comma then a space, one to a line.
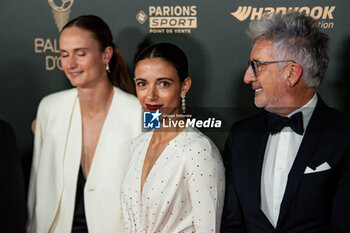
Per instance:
x=254, y=13
x=169, y=19
x=61, y=12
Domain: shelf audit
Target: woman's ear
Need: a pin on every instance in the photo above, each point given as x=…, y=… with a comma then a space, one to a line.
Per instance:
x=186, y=85
x=107, y=54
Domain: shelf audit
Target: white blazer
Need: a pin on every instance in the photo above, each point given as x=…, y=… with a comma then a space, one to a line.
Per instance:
x=56, y=163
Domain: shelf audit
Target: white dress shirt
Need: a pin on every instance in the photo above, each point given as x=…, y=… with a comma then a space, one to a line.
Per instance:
x=280, y=153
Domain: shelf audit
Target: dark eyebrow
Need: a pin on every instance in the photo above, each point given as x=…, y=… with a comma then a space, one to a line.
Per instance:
x=140, y=79
x=165, y=79
x=158, y=79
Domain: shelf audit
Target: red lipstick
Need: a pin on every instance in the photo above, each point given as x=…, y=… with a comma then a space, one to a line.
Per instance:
x=151, y=107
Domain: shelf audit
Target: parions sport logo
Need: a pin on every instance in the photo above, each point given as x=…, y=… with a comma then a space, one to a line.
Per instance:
x=169, y=19
x=324, y=14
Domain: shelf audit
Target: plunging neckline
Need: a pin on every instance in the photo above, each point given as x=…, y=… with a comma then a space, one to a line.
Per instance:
x=145, y=150
x=99, y=137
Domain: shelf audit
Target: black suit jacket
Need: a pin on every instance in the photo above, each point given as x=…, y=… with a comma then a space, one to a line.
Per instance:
x=314, y=203
x=12, y=194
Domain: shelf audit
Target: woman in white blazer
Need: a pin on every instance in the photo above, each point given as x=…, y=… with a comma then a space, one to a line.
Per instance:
x=82, y=136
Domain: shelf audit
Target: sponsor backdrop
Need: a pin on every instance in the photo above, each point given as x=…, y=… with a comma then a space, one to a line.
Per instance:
x=212, y=33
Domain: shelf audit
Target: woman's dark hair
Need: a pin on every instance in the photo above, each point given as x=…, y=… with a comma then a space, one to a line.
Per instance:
x=119, y=75
x=170, y=53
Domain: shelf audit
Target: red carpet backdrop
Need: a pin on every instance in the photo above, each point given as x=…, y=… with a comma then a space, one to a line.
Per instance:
x=211, y=32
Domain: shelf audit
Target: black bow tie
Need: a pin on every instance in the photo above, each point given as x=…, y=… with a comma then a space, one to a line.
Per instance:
x=276, y=123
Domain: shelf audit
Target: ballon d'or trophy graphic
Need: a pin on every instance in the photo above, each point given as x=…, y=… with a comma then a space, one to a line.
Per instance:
x=61, y=13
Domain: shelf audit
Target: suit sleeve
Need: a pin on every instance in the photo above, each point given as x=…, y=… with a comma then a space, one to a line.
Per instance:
x=232, y=217
x=341, y=204
x=38, y=138
x=12, y=192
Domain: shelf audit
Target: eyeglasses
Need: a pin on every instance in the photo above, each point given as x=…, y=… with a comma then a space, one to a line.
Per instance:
x=255, y=64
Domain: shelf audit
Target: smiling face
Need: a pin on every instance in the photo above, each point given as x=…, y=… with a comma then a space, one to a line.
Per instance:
x=82, y=59
x=158, y=86
x=269, y=84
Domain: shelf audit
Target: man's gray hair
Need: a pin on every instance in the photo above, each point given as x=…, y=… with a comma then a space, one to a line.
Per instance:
x=296, y=37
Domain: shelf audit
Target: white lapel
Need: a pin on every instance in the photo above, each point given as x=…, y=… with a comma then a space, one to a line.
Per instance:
x=109, y=154
x=72, y=153
x=71, y=165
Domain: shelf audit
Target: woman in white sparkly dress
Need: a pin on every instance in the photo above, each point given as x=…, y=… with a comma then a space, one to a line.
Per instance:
x=175, y=178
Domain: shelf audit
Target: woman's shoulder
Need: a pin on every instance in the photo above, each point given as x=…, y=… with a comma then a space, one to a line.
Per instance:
x=56, y=106
x=198, y=144
x=125, y=97
x=54, y=99
x=201, y=151
x=195, y=138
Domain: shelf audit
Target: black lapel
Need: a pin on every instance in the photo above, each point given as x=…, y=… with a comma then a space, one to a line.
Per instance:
x=256, y=160
x=310, y=141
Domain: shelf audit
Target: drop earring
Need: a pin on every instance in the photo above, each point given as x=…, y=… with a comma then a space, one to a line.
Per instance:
x=183, y=104
x=107, y=68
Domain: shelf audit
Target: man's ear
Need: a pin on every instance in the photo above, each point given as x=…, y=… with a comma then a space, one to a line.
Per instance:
x=293, y=73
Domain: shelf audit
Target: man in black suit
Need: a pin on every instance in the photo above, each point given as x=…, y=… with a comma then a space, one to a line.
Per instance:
x=288, y=168
x=12, y=194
